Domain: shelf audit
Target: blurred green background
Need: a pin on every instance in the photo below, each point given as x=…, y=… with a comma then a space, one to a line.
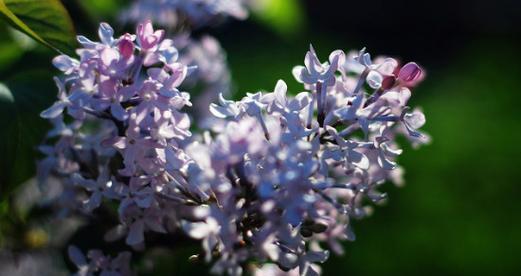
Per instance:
x=459, y=213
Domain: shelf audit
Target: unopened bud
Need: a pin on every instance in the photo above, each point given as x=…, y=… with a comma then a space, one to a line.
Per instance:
x=410, y=73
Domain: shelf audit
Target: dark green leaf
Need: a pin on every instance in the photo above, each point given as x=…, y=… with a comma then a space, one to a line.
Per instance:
x=22, y=98
x=46, y=21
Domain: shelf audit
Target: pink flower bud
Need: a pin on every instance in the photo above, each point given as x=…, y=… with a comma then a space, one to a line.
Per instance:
x=410, y=73
x=126, y=47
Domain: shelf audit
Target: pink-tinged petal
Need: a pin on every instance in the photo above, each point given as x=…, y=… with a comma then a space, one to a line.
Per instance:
x=405, y=95
x=387, y=67
x=151, y=59
x=144, y=29
x=126, y=47
x=410, y=72
x=135, y=234
x=182, y=120
x=150, y=42
x=166, y=131
x=415, y=119
x=147, y=38
x=159, y=34
x=179, y=72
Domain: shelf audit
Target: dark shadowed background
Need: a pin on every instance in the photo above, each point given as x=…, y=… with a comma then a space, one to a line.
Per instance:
x=459, y=212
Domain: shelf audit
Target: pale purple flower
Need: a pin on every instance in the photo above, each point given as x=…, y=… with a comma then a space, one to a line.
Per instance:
x=225, y=109
x=315, y=71
x=306, y=177
x=136, y=113
x=148, y=39
x=272, y=181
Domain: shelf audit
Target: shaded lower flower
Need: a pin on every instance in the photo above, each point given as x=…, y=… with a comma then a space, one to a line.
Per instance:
x=96, y=263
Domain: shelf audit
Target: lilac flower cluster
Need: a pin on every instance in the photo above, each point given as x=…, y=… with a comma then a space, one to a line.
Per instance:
x=178, y=12
x=123, y=142
x=286, y=173
x=276, y=177
x=205, y=53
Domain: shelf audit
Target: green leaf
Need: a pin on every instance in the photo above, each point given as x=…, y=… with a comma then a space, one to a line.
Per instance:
x=285, y=17
x=46, y=21
x=104, y=8
x=9, y=50
x=22, y=98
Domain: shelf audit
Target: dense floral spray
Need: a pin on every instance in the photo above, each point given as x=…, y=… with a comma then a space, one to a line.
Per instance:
x=274, y=181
